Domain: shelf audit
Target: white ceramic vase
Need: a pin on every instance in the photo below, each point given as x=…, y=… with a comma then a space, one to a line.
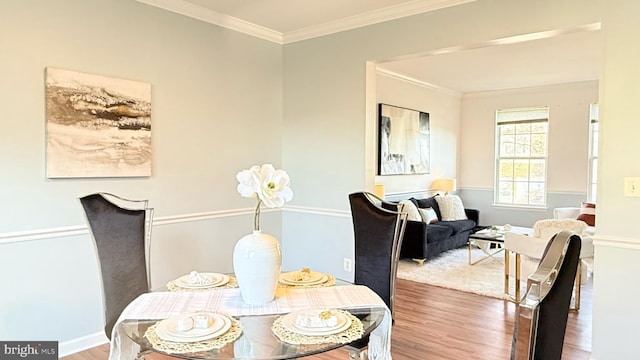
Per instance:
x=256, y=263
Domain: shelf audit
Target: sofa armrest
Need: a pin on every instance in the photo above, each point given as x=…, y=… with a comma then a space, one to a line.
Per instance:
x=414, y=241
x=473, y=214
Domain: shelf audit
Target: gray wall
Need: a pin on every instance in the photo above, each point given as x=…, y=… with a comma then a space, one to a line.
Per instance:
x=216, y=109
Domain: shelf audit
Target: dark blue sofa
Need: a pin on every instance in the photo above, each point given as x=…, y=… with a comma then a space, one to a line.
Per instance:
x=424, y=241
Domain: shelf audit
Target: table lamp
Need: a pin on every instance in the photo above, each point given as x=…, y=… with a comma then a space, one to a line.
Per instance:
x=445, y=185
x=378, y=190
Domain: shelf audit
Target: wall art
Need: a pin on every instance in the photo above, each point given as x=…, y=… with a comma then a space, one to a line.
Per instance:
x=97, y=126
x=404, y=143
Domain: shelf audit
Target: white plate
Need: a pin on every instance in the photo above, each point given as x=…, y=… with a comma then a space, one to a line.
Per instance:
x=167, y=329
x=314, y=278
x=323, y=279
x=217, y=280
x=289, y=323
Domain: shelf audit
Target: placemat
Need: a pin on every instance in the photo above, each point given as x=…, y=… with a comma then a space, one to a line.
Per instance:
x=173, y=347
x=353, y=332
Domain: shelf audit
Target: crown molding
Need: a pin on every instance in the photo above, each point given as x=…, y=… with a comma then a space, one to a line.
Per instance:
x=538, y=88
x=213, y=17
x=414, y=81
x=368, y=18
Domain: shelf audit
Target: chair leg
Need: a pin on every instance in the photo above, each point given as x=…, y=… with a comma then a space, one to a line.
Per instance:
x=577, y=287
x=506, y=271
x=518, y=278
x=358, y=354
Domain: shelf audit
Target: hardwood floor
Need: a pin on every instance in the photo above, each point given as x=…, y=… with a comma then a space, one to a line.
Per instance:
x=433, y=323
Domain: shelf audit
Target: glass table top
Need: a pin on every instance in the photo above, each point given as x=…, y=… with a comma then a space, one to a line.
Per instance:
x=257, y=340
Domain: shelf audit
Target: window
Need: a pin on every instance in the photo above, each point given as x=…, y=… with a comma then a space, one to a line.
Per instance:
x=594, y=115
x=521, y=156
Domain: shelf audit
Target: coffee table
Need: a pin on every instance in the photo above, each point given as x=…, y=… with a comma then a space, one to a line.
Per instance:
x=485, y=239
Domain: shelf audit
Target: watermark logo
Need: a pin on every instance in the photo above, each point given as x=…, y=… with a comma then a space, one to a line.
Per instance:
x=32, y=350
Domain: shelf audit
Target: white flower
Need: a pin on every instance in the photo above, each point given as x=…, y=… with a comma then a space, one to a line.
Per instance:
x=269, y=185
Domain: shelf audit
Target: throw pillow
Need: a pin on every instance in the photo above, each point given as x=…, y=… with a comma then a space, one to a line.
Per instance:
x=406, y=206
x=588, y=213
x=429, y=202
x=451, y=207
x=428, y=215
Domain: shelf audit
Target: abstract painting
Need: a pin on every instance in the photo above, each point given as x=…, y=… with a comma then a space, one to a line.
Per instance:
x=404, y=144
x=97, y=126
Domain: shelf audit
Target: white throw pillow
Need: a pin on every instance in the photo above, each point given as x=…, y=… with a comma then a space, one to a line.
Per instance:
x=451, y=207
x=408, y=207
x=429, y=215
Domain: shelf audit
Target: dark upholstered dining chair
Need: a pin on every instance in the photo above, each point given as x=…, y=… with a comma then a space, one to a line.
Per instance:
x=541, y=316
x=121, y=230
x=378, y=235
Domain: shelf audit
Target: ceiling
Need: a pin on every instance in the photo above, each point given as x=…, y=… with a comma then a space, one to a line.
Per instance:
x=541, y=59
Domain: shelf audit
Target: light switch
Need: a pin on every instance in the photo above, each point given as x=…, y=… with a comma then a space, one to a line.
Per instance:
x=632, y=186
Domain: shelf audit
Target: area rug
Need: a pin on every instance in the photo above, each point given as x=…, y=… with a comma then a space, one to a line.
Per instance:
x=451, y=270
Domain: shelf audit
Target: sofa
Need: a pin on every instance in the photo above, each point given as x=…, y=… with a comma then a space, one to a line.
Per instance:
x=426, y=237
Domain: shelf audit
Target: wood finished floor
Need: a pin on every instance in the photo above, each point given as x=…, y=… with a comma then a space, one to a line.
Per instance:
x=433, y=323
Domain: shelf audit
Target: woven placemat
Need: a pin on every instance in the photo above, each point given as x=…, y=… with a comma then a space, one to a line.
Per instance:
x=353, y=332
x=173, y=347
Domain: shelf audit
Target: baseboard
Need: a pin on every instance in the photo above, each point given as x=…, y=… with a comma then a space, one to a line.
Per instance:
x=66, y=348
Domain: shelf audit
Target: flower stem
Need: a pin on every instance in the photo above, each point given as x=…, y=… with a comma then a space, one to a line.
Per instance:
x=256, y=218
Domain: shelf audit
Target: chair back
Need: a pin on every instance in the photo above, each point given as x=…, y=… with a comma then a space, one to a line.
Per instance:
x=378, y=235
x=541, y=316
x=121, y=231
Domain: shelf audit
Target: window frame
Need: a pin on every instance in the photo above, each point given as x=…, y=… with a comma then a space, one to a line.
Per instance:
x=530, y=115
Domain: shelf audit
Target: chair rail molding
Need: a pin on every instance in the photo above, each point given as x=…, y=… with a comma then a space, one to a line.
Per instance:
x=618, y=242
x=74, y=230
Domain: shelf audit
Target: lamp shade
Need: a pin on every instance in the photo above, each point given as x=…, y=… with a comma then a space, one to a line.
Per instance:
x=378, y=190
x=445, y=185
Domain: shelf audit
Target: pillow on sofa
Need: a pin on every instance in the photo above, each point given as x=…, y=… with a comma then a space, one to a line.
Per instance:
x=408, y=207
x=429, y=202
x=451, y=208
x=588, y=213
x=429, y=215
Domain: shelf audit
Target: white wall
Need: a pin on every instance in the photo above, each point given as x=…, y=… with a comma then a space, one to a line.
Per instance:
x=216, y=109
x=567, y=173
x=615, y=313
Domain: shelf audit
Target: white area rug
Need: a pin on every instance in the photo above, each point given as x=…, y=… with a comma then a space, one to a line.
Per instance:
x=452, y=270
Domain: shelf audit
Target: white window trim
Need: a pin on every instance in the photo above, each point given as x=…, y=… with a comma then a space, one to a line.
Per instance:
x=497, y=158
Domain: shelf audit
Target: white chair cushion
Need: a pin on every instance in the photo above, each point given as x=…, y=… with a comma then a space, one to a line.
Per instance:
x=547, y=228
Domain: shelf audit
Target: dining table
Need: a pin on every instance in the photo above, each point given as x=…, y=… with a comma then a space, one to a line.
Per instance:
x=255, y=331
